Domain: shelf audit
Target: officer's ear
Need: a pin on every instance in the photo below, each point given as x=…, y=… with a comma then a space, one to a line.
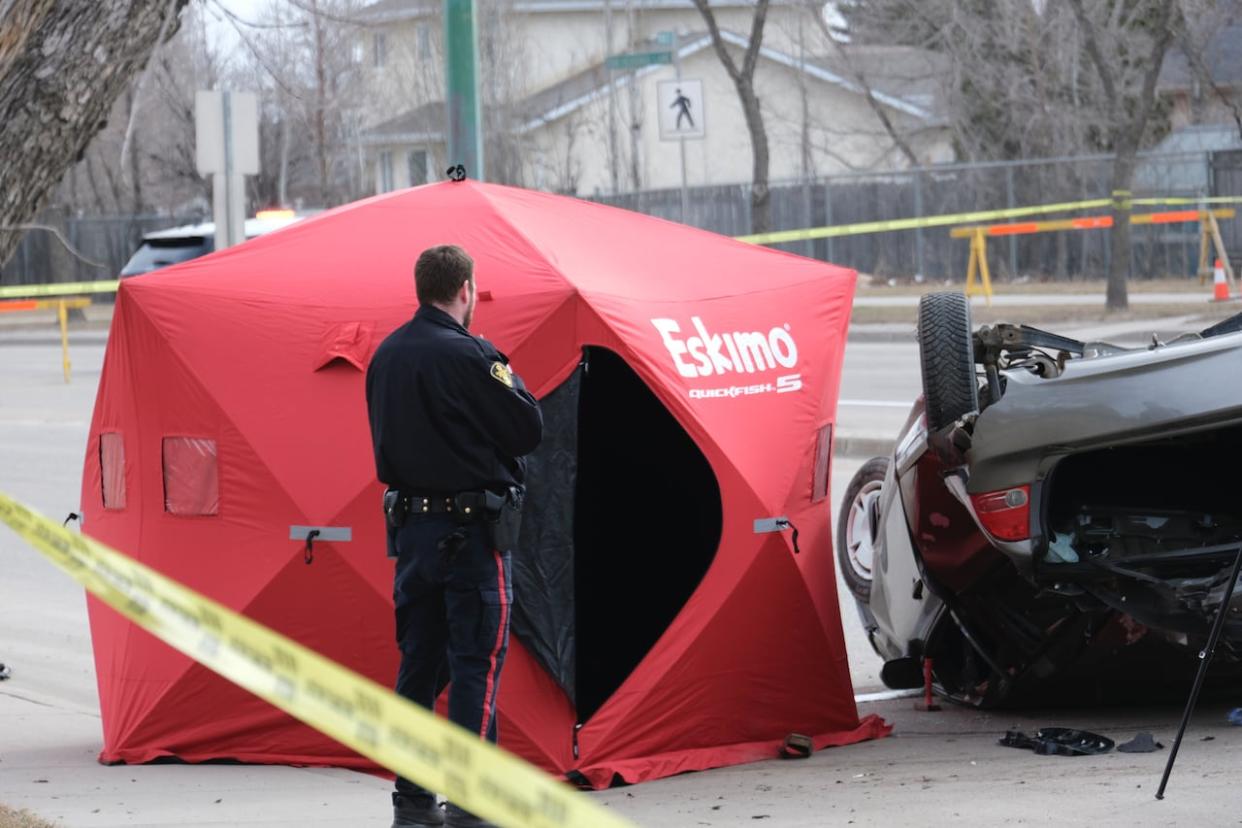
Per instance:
x=466, y=294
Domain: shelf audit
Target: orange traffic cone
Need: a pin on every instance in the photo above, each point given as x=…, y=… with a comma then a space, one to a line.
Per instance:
x=1220, y=287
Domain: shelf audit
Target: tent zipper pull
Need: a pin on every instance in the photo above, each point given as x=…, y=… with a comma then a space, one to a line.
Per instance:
x=308, y=554
x=778, y=524
x=577, y=727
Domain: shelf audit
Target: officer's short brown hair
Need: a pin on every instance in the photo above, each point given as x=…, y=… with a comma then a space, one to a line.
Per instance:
x=440, y=272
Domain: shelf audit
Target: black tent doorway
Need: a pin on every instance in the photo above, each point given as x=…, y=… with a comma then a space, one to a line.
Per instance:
x=600, y=575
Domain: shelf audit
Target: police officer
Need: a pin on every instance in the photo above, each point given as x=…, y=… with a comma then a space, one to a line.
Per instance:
x=450, y=423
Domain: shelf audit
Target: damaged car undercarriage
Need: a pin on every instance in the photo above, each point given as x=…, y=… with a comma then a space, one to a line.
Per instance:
x=1055, y=514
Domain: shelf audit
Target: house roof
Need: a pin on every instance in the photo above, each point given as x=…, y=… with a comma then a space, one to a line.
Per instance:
x=905, y=82
x=1222, y=56
x=914, y=75
x=421, y=125
x=578, y=90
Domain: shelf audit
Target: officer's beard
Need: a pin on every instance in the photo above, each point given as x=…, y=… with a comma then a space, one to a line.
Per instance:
x=469, y=317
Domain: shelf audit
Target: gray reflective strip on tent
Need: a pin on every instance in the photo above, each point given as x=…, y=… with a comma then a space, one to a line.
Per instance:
x=772, y=524
x=326, y=533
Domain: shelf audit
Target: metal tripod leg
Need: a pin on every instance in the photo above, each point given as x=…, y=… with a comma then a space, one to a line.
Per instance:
x=1205, y=659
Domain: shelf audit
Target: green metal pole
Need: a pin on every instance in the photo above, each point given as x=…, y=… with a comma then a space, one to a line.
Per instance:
x=465, y=134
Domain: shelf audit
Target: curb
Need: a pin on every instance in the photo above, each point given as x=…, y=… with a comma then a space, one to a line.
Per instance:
x=857, y=448
x=39, y=339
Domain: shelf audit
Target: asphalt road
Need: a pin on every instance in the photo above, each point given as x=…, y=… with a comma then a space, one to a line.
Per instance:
x=936, y=768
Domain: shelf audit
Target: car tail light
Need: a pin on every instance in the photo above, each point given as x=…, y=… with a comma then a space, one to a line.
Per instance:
x=1006, y=514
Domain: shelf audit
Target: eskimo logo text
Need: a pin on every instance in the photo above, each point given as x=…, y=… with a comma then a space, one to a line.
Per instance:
x=698, y=353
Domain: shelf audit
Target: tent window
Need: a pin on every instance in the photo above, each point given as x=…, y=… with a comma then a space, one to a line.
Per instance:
x=112, y=469
x=647, y=524
x=191, y=477
x=823, y=456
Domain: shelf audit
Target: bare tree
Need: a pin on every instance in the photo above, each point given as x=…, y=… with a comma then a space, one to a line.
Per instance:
x=743, y=78
x=1128, y=77
x=815, y=11
x=1203, y=22
x=301, y=55
x=62, y=65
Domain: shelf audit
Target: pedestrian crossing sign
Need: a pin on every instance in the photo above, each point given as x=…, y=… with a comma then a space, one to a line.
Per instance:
x=681, y=109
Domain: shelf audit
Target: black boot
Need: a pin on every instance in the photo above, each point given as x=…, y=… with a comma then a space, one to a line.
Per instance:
x=415, y=810
x=455, y=817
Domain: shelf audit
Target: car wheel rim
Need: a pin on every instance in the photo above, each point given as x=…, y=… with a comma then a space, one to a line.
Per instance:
x=859, y=541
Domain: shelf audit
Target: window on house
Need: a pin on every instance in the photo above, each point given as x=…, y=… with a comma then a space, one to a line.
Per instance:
x=191, y=477
x=112, y=469
x=358, y=52
x=416, y=161
x=424, y=41
x=385, y=172
x=379, y=49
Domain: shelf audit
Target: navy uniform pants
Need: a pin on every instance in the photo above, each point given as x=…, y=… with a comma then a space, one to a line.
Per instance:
x=453, y=595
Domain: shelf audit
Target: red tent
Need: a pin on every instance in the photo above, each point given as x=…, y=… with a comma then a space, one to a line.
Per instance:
x=689, y=382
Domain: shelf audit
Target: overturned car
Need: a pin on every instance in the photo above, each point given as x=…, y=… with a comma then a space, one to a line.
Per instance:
x=1056, y=513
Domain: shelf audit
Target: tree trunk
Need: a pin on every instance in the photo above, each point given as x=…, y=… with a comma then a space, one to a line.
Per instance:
x=760, y=196
x=321, y=129
x=135, y=164
x=1117, y=299
x=62, y=65
x=743, y=78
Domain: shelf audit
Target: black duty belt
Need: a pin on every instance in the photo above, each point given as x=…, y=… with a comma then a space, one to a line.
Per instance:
x=470, y=504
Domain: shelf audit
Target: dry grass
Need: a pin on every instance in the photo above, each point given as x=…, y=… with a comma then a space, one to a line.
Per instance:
x=22, y=819
x=1203, y=314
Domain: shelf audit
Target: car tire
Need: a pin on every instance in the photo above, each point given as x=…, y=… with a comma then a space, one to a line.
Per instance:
x=856, y=527
x=947, y=357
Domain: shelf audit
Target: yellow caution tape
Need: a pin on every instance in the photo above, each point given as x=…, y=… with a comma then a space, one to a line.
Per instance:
x=783, y=236
x=357, y=712
x=57, y=289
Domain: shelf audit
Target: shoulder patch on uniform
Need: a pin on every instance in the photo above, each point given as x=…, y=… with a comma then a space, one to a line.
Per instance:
x=501, y=373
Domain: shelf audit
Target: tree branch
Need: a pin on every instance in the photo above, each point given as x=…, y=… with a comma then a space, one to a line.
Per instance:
x=1194, y=55
x=1090, y=32
x=1160, y=45
x=880, y=113
x=717, y=42
x=756, y=39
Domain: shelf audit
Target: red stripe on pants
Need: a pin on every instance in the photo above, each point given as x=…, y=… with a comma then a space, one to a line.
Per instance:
x=488, y=701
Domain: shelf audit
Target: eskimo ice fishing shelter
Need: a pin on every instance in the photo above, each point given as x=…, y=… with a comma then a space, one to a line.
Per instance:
x=665, y=621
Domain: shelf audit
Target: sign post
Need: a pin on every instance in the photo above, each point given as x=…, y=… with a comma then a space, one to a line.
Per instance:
x=680, y=103
x=465, y=133
x=226, y=131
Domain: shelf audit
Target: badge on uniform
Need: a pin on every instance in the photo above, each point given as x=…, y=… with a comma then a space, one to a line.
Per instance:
x=501, y=373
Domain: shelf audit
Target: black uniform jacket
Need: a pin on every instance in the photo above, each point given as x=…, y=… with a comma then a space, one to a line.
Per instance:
x=447, y=415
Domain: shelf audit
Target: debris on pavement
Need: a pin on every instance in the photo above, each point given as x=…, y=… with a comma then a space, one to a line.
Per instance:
x=1143, y=742
x=5, y=672
x=1059, y=741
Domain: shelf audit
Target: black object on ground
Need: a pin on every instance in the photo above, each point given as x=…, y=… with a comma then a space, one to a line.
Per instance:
x=1142, y=743
x=797, y=746
x=1059, y=741
x=1205, y=659
x=5, y=672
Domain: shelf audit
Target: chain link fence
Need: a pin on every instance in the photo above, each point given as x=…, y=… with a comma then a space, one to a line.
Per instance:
x=109, y=240
x=1158, y=250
